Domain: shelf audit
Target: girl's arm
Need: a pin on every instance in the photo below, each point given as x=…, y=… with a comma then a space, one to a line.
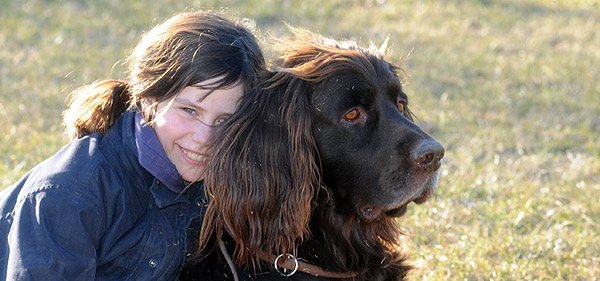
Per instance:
x=54, y=236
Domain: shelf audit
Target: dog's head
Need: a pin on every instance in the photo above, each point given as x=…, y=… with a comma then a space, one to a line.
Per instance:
x=333, y=115
x=374, y=159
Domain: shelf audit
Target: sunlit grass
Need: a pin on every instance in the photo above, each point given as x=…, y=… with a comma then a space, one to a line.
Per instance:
x=509, y=87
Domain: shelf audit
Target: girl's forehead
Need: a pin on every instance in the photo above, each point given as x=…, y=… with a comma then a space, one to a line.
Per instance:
x=216, y=83
x=209, y=83
x=201, y=97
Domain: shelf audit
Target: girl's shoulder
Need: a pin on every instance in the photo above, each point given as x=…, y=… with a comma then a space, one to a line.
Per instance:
x=80, y=167
x=92, y=166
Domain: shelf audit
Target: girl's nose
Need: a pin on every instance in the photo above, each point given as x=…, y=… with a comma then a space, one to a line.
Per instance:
x=202, y=132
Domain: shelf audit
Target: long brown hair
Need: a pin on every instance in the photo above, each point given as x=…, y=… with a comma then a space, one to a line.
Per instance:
x=186, y=49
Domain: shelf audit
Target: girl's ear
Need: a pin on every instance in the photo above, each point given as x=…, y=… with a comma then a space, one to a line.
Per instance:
x=263, y=173
x=148, y=108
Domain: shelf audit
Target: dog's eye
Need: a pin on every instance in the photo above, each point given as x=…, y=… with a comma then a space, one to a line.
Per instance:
x=401, y=105
x=351, y=115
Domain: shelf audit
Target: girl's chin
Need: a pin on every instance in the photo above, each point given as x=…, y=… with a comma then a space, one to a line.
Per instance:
x=192, y=176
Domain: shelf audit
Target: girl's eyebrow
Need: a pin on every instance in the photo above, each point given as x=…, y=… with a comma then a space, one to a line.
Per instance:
x=188, y=102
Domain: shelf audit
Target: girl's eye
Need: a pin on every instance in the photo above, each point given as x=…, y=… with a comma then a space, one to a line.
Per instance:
x=189, y=110
x=352, y=115
x=401, y=105
x=219, y=121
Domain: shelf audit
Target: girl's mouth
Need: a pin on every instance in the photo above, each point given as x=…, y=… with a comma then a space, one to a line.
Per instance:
x=195, y=157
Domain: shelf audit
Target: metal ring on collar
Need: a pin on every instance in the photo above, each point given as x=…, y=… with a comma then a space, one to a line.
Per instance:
x=289, y=256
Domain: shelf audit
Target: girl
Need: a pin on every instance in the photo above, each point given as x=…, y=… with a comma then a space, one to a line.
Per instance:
x=118, y=201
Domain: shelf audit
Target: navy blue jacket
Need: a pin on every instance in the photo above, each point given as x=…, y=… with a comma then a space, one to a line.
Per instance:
x=92, y=212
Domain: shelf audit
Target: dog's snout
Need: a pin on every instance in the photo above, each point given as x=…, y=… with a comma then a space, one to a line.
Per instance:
x=428, y=154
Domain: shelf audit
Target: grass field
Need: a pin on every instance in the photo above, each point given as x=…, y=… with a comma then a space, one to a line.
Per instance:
x=509, y=87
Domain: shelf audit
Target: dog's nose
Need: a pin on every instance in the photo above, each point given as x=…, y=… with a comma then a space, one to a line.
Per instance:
x=428, y=154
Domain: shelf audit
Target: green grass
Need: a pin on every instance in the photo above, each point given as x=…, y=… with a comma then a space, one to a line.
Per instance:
x=509, y=87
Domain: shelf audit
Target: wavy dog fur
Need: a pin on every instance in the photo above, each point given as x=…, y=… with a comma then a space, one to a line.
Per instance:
x=265, y=185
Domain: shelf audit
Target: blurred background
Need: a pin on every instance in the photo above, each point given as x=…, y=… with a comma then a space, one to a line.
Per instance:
x=509, y=87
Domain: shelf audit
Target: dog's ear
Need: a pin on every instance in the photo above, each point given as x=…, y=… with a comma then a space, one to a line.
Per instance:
x=263, y=173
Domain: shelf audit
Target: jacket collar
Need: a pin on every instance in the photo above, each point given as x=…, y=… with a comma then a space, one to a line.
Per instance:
x=164, y=197
x=153, y=158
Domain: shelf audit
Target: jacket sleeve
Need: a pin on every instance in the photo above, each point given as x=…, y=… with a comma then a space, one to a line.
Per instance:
x=54, y=236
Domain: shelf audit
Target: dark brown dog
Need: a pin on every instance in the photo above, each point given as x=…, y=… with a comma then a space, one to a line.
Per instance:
x=315, y=167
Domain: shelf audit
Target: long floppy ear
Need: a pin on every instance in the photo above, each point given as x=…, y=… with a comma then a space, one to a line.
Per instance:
x=263, y=173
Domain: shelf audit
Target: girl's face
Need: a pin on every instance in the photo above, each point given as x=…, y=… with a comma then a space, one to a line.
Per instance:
x=185, y=123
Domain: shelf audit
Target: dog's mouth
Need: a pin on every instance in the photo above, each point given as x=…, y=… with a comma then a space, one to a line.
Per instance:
x=373, y=213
